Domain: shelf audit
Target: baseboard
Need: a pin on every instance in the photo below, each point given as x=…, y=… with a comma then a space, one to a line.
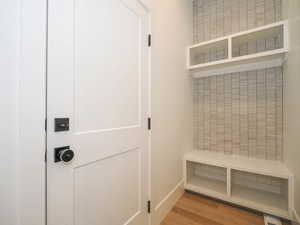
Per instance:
x=165, y=206
x=296, y=218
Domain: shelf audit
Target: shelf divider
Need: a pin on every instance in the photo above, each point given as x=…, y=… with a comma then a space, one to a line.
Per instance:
x=229, y=182
x=230, y=48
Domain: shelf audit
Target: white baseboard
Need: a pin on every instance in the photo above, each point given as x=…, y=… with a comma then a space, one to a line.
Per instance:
x=165, y=206
x=297, y=218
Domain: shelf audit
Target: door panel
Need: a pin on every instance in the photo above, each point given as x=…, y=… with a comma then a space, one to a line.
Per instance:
x=98, y=78
x=112, y=142
x=96, y=58
x=115, y=180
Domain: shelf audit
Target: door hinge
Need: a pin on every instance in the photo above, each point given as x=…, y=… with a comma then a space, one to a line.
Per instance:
x=46, y=156
x=149, y=123
x=46, y=124
x=149, y=206
x=149, y=40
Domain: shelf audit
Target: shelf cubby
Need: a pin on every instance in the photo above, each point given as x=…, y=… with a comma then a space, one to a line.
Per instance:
x=209, y=52
x=260, y=191
x=208, y=179
x=264, y=40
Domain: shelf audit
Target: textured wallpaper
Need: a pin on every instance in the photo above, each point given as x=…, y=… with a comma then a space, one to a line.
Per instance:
x=240, y=113
x=217, y=18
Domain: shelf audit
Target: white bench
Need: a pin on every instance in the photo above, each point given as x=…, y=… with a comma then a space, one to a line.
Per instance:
x=221, y=176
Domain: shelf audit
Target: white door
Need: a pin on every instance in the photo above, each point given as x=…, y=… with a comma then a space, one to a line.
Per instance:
x=98, y=78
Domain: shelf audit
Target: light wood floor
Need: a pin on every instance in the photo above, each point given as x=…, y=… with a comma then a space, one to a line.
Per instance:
x=193, y=209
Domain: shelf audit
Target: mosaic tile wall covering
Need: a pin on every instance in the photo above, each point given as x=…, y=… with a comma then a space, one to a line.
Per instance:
x=240, y=113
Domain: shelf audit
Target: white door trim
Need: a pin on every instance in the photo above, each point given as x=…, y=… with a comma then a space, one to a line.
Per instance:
x=31, y=188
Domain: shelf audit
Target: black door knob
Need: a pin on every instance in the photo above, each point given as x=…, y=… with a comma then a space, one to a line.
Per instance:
x=63, y=154
x=66, y=155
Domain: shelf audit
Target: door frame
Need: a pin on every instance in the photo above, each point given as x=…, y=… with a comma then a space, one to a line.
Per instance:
x=31, y=113
x=32, y=94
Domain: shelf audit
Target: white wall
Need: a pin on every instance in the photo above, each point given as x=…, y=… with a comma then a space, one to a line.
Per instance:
x=292, y=96
x=9, y=52
x=22, y=112
x=171, y=97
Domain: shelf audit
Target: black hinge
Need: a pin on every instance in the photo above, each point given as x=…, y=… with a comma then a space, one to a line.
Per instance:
x=149, y=206
x=149, y=40
x=149, y=123
x=46, y=124
x=46, y=156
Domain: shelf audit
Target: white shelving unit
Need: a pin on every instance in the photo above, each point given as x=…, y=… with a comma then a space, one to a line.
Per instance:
x=213, y=174
x=227, y=60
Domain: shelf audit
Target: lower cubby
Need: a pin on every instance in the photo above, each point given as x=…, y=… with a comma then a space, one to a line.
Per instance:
x=260, y=191
x=208, y=179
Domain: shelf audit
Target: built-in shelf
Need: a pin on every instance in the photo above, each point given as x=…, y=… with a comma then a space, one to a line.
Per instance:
x=222, y=176
x=259, y=48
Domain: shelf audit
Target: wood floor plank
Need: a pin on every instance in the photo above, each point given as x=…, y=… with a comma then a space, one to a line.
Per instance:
x=206, y=201
x=192, y=209
x=241, y=215
x=202, y=210
x=195, y=217
x=175, y=219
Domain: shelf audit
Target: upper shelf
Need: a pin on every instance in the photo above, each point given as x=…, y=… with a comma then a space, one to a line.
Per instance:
x=259, y=48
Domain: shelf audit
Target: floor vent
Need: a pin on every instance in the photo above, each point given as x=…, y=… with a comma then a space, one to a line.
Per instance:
x=271, y=220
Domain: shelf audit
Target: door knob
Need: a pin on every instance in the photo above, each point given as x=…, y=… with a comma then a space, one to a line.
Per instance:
x=66, y=155
x=63, y=154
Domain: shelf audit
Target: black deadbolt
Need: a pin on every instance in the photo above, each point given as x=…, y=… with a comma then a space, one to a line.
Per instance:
x=64, y=154
x=62, y=124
